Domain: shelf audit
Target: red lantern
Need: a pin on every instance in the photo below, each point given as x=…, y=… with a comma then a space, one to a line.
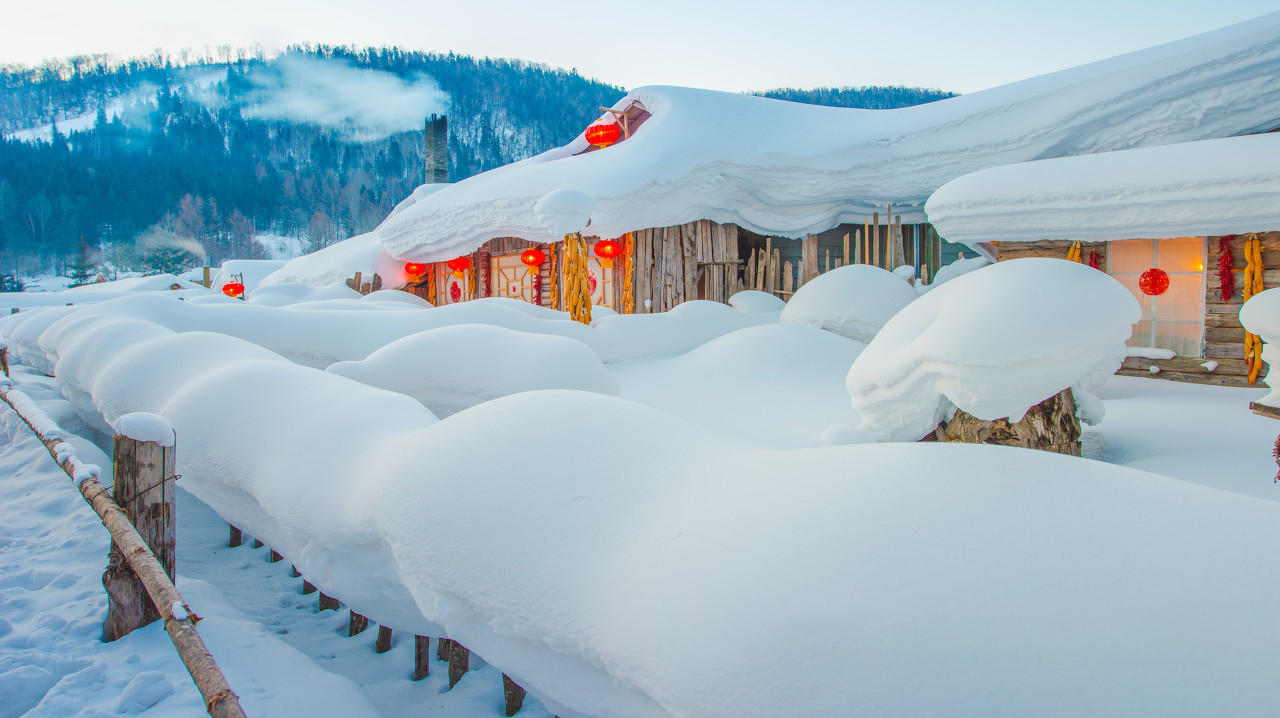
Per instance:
x=415, y=268
x=603, y=134
x=607, y=249
x=458, y=265
x=233, y=289
x=1153, y=282
x=533, y=258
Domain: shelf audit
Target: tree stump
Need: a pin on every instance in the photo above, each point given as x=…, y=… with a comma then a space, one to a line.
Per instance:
x=1050, y=425
x=421, y=657
x=459, y=662
x=383, y=644
x=513, y=695
x=144, y=488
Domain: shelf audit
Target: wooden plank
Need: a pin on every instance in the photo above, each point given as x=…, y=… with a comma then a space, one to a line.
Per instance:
x=899, y=252
x=1189, y=365
x=1223, y=321
x=689, y=250
x=875, y=239
x=846, y=250
x=1224, y=351
x=1214, y=379
x=1270, y=412
x=1218, y=335
x=808, y=259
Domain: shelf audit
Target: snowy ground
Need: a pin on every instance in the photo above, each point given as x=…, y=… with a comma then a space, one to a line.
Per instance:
x=711, y=420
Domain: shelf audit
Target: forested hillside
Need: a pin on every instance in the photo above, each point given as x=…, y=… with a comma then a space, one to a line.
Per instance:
x=162, y=161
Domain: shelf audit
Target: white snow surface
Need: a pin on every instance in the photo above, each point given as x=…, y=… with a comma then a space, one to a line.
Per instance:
x=251, y=272
x=1212, y=187
x=960, y=266
x=853, y=301
x=144, y=426
x=753, y=301
x=1261, y=315
x=993, y=343
x=789, y=169
x=454, y=368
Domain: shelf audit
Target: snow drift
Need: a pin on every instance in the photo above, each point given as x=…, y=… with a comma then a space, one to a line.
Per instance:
x=994, y=343
x=853, y=301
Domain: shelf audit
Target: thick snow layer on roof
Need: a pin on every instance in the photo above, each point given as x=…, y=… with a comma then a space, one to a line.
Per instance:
x=788, y=169
x=251, y=272
x=993, y=342
x=1213, y=187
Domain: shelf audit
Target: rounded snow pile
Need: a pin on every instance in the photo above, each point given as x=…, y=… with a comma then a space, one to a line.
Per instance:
x=1261, y=315
x=993, y=343
x=752, y=301
x=853, y=301
x=454, y=368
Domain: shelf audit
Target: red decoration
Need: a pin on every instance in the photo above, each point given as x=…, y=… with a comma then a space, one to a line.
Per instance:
x=1153, y=282
x=591, y=283
x=415, y=268
x=1095, y=260
x=455, y=292
x=603, y=134
x=233, y=289
x=1226, y=263
x=607, y=249
x=458, y=265
x=533, y=258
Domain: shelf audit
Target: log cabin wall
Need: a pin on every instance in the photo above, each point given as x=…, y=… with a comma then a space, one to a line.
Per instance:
x=1223, y=333
x=698, y=260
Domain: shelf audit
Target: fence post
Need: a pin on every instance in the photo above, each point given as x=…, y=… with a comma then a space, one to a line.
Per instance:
x=421, y=657
x=459, y=662
x=144, y=488
x=512, y=695
x=383, y=644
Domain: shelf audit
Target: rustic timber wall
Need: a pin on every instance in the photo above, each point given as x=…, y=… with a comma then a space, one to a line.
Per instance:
x=1223, y=333
x=698, y=260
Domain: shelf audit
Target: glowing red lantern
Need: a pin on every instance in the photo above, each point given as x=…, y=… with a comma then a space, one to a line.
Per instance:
x=533, y=258
x=603, y=134
x=415, y=268
x=607, y=249
x=458, y=265
x=233, y=289
x=1153, y=282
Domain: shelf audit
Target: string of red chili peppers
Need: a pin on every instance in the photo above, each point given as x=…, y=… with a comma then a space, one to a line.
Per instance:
x=1226, y=263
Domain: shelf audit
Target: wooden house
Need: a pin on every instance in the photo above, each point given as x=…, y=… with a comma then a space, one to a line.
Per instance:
x=1205, y=215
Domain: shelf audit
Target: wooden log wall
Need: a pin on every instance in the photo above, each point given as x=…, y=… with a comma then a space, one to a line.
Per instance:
x=1223, y=333
x=698, y=260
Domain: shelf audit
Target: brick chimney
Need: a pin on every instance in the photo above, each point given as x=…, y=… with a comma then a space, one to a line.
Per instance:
x=436, y=146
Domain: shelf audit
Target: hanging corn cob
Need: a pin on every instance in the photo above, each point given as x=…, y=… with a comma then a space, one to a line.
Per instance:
x=553, y=296
x=577, y=288
x=1076, y=253
x=628, y=287
x=1252, y=285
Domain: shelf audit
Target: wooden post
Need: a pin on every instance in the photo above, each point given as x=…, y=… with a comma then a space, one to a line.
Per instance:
x=442, y=649
x=207, y=281
x=357, y=624
x=898, y=250
x=274, y=557
x=4, y=359
x=421, y=657
x=788, y=272
x=144, y=488
x=308, y=587
x=512, y=694
x=293, y=571
x=328, y=603
x=846, y=251
x=915, y=251
x=383, y=644
x=808, y=260
x=257, y=543
x=236, y=538
x=459, y=660
x=875, y=238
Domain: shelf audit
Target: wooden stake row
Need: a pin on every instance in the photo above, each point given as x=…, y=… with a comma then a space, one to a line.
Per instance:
x=457, y=655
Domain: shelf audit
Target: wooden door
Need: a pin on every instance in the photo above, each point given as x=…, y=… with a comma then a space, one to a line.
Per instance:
x=510, y=278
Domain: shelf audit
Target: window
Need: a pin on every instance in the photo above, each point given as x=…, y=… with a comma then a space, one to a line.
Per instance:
x=1175, y=319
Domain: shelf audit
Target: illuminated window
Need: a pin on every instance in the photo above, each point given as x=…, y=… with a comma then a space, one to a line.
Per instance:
x=1175, y=319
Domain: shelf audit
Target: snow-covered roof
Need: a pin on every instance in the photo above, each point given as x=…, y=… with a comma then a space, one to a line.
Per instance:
x=789, y=169
x=1214, y=187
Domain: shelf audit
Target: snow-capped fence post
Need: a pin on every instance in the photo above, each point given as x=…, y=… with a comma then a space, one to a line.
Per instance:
x=179, y=622
x=512, y=695
x=383, y=644
x=327, y=602
x=144, y=487
x=459, y=662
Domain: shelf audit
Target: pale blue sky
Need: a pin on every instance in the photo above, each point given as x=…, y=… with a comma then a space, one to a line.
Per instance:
x=744, y=45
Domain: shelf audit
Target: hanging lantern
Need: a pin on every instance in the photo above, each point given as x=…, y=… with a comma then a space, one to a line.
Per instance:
x=415, y=268
x=603, y=134
x=1153, y=282
x=533, y=258
x=458, y=265
x=233, y=289
x=607, y=249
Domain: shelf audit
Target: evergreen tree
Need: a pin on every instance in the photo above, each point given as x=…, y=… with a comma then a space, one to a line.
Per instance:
x=83, y=270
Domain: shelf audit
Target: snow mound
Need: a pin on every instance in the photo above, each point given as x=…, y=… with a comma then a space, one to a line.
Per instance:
x=279, y=295
x=395, y=296
x=454, y=368
x=752, y=301
x=993, y=343
x=853, y=301
x=250, y=271
x=144, y=426
x=961, y=266
x=634, y=336
x=1261, y=315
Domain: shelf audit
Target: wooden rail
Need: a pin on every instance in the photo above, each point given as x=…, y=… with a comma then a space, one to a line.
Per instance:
x=220, y=700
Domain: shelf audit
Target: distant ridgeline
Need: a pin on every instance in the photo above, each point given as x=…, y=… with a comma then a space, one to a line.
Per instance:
x=167, y=161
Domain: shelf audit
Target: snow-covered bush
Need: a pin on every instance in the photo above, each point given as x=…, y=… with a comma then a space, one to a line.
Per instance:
x=852, y=301
x=993, y=343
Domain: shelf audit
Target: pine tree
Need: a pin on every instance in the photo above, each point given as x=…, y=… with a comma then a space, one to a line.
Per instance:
x=83, y=269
